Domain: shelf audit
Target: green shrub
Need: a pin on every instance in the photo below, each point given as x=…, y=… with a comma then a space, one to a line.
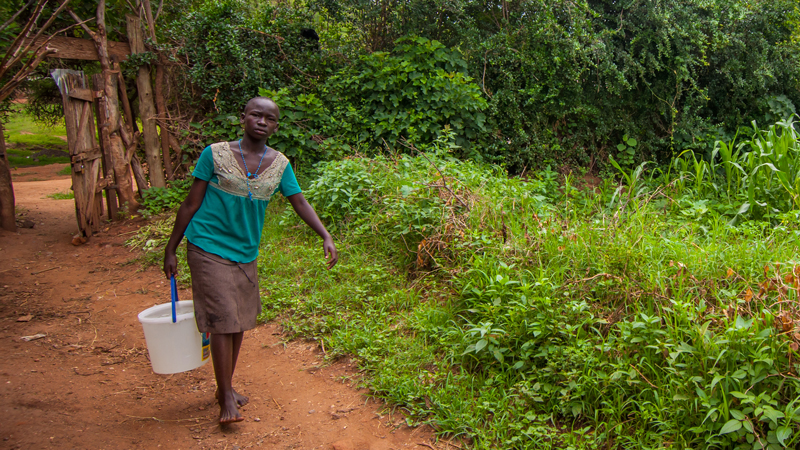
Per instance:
x=411, y=93
x=157, y=200
x=383, y=99
x=232, y=48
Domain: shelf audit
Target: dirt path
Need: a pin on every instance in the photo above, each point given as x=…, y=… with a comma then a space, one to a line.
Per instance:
x=88, y=384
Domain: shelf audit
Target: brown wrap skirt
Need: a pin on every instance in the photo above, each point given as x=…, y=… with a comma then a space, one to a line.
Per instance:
x=225, y=293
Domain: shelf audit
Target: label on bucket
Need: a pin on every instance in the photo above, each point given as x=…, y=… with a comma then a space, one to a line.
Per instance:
x=206, y=345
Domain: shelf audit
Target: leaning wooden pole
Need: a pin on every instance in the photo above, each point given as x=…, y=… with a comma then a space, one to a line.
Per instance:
x=122, y=168
x=147, y=109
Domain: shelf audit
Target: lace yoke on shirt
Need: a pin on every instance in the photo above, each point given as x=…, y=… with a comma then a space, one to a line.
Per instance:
x=231, y=178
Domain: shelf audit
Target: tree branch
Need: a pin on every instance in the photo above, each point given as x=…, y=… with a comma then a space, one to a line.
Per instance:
x=23, y=43
x=8, y=22
x=15, y=46
x=158, y=12
x=82, y=23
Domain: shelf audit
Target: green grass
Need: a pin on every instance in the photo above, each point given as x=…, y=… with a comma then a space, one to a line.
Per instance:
x=25, y=138
x=41, y=135
x=62, y=195
x=23, y=158
x=65, y=171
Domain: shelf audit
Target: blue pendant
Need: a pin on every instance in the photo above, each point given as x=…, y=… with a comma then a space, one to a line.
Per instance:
x=249, y=174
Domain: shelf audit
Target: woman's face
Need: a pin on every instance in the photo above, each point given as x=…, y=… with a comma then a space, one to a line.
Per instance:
x=260, y=118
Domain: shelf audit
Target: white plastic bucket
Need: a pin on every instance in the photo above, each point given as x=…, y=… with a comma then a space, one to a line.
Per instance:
x=174, y=347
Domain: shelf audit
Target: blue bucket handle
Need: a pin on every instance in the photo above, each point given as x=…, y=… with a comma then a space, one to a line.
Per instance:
x=174, y=288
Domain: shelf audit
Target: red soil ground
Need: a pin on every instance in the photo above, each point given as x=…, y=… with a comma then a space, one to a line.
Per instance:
x=88, y=382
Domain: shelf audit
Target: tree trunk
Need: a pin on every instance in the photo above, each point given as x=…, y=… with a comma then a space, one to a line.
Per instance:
x=161, y=107
x=122, y=173
x=7, y=214
x=129, y=134
x=147, y=110
x=178, y=154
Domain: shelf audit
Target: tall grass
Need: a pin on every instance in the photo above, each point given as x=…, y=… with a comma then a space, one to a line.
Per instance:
x=528, y=314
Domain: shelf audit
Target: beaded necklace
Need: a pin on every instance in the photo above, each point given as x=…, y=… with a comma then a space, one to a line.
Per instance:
x=254, y=175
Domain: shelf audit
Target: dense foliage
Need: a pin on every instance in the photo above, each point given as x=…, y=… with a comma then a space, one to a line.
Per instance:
x=628, y=317
x=230, y=50
x=564, y=81
x=521, y=83
x=383, y=101
x=529, y=314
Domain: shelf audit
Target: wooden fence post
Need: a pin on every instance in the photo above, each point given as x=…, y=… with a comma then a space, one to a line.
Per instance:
x=108, y=157
x=110, y=118
x=147, y=109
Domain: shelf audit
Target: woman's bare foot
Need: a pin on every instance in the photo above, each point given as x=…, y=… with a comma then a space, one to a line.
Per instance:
x=228, y=412
x=241, y=400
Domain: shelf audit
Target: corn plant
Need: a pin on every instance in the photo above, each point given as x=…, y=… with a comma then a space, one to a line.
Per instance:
x=760, y=176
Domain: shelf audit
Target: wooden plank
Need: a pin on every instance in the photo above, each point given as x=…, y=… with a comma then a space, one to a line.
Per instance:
x=82, y=143
x=88, y=155
x=107, y=160
x=67, y=81
x=105, y=184
x=86, y=116
x=86, y=95
x=76, y=48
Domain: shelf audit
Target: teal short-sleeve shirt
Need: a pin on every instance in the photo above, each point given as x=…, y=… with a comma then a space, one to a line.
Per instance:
x=229, y=223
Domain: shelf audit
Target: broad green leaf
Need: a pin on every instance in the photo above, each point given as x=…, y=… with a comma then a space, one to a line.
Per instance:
x=730, y=426
x=772, y=414
x=497, y=355
x=782, y=433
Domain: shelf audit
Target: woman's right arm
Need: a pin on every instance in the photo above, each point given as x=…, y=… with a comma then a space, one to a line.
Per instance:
x=185, y=214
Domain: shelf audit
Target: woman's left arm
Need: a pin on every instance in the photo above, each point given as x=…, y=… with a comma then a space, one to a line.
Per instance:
x=309, y=216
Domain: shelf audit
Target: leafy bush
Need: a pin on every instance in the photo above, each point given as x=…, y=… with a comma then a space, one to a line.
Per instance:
x=230, y=49
x=410, y=95
x=566, y=80
x=157, y=200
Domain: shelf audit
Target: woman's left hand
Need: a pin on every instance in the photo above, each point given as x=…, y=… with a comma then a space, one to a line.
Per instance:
x=330, y=252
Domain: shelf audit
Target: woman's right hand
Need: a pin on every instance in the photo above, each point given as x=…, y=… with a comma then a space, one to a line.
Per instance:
x=170, y=264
